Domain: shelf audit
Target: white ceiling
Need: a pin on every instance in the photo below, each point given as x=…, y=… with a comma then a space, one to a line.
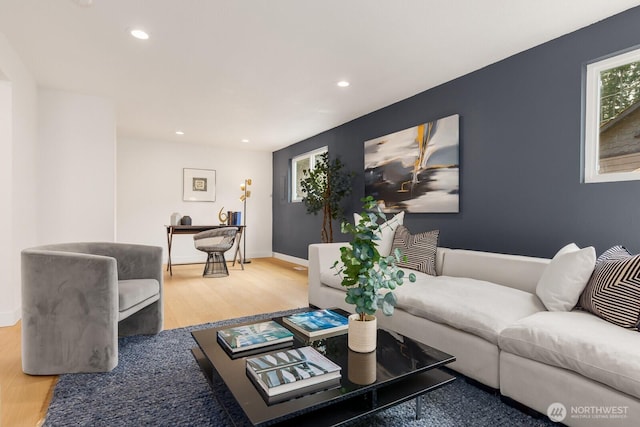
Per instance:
x=266, y=70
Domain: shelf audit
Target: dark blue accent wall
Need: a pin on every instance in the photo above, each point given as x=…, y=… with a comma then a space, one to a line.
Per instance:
x=520, y=155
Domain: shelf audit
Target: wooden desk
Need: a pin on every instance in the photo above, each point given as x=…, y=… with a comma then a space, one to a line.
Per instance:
x=195, y=229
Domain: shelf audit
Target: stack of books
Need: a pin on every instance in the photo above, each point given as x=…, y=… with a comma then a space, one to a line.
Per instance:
x=258, y=337
x=318, y=323
x=283, y=375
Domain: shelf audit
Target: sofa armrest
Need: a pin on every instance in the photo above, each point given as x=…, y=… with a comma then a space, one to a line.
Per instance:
x=322, y=256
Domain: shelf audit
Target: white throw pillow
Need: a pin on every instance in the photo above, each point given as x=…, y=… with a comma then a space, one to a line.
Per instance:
x=386, y=231
x=566, y=276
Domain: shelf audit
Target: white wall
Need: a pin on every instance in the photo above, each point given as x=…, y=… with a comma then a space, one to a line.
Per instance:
x=8, y=289
x=18, y=138
x=58, y=179
x=149, y=182
x=76, y=172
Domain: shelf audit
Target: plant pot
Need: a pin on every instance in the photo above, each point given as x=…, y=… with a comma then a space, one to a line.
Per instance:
x=363, y=335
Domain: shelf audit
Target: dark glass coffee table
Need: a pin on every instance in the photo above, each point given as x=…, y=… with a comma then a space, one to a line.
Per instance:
x=399, y=370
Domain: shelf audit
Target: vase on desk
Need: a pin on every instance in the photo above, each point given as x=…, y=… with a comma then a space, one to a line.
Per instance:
x=186, y=220
x=175, y=218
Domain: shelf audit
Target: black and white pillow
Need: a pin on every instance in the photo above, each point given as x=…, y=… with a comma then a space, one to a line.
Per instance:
x=613, y=292
x=418, y=250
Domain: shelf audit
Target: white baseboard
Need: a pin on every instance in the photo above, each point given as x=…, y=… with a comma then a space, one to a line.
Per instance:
x=9, y=318
x=291, y=259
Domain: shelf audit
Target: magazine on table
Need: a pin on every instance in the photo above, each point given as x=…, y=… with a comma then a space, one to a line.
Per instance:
x=284, y=374
x=317, y=323
x=258, y=335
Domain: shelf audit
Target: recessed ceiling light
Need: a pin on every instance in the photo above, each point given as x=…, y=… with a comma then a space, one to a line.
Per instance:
x=139, y=34
x=245, y=140
x=343, y=83
x=179, y=132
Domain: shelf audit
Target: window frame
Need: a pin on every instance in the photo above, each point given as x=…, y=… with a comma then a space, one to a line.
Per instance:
x=592, y=118
x=311, y=155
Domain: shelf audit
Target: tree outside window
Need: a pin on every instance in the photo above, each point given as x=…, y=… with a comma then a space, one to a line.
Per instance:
x=299, y=164
x=612, y=119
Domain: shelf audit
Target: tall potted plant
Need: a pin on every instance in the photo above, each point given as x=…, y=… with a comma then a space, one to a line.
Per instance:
x=324, y=187
x=369, y=277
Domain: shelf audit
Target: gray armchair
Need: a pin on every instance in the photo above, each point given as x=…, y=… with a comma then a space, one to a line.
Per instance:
x=77, y=298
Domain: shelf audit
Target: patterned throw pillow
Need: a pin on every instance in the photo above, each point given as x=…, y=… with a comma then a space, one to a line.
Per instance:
x=613, y=292
x=419, y=249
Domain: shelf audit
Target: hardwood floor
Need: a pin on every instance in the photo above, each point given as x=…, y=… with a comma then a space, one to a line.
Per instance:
x=266, y=285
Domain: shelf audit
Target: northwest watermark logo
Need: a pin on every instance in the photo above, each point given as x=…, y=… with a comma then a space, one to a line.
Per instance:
x=557, y=412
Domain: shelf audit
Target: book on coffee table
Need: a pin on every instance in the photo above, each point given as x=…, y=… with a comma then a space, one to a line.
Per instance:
x=317, y=323
x=258, y=335
x=282, y=375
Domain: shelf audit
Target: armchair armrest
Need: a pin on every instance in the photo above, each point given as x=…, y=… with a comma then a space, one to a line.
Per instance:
x=68, y=298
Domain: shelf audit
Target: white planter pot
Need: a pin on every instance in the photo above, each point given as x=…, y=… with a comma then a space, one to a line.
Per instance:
x=362, y=335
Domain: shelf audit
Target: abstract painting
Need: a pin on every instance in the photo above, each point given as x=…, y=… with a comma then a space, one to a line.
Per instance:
x=416, y=169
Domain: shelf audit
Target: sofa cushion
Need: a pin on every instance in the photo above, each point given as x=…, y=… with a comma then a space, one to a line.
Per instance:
x=566, y=276
x=330, y=278
x=481, y=308
x=418, y=250
x=133, y=292
x=613, y=292
x=580, y=342
x=386, y=232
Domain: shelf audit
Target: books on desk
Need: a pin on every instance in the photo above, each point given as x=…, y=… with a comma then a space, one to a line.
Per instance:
x=285, y=374
x=240, y=339
x=317, y=323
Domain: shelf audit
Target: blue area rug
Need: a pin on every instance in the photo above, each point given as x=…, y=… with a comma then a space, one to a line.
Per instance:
x=158, y=383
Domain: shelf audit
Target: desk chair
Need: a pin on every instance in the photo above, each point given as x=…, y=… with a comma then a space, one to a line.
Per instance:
x=215, y=243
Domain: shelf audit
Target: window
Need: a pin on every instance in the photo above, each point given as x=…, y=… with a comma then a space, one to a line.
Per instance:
x=612, y=119
x=299, y=164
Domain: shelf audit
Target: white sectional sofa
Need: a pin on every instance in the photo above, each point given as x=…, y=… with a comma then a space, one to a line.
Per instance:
x=483, y=309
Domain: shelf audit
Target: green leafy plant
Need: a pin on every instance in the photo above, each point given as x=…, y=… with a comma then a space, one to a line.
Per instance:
x=324, y=187
x=365, y=273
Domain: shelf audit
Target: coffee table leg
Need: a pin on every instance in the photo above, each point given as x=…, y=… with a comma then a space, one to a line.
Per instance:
x=419, y=407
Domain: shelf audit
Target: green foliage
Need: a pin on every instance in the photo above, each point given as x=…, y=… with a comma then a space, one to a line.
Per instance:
x=324, y=187
x=365, y=273
x=619, y=89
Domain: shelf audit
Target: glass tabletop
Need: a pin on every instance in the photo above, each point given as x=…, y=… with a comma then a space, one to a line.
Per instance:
x=395, y=359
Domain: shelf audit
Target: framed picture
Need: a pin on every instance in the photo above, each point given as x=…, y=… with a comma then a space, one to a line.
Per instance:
x=199, y=185
x=416, y=169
